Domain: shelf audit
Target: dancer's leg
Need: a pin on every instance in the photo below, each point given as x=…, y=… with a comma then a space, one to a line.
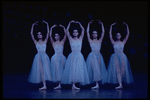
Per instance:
x=59, y=86
x=43, y=79
x=74, y=87
x=96, y=86
x=118, y=73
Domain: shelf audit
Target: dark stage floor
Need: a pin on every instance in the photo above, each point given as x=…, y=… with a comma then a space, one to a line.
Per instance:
x=16, y=86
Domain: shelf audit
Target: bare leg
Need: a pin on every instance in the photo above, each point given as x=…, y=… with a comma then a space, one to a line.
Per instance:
x=59, y=86
x=44, y=86
x=42, y=73
x=119, y=79
x=74, y=87
x=123, y=66
x=96, y=86
x=118, y=73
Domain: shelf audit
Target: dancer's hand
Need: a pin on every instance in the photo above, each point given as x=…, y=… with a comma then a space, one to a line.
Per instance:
x=35, y=23
x=90, y=22
x=73, y=21
x=99, y=22
x=125, y=23
x=44, y=21
x=113, y=24
x=77, y=22
x=54, y=26
x=61, y=25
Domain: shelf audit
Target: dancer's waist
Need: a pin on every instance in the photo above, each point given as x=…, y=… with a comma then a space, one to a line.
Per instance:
x=119, y=53
x=58, y=52
x=41, y=52
x=96, y=51
x=76, y=51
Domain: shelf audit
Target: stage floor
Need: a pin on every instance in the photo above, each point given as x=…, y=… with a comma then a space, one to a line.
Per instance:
x=16, y=86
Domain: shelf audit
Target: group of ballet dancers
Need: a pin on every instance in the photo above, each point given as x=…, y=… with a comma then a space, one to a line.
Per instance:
x=75, y=69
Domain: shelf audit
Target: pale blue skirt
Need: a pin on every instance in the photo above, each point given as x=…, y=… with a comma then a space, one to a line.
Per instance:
x=75, y=70
x=40, y=66
x=119, y=63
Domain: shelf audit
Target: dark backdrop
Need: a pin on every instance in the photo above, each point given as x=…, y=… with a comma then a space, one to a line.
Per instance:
x=18, y=49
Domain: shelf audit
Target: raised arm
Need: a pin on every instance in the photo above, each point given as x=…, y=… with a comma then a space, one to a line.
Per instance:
x=51, y=38
x=47, y=31
x=110, y=33
x=82, y=32
x=67, y=30
x=87, y=31
x=64, y=39
x=126, y=38
x=32, y=36
x=103, y=31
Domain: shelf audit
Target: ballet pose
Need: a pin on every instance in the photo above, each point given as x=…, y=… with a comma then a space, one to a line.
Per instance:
x=75, y=68
x=58, y=59
x=95, y=62
x=40, y=71
x=119, y=67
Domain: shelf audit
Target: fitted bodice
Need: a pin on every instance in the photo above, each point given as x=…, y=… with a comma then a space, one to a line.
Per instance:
x=41, y=48
x=58, y=49
x=95, y=47
x=76, y=45
x=118, y=48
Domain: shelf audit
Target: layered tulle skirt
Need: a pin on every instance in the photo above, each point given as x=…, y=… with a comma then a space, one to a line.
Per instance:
x=96, y=67
x=40, y=69
x=75, y=70
x=57, y=66
x=118, y=63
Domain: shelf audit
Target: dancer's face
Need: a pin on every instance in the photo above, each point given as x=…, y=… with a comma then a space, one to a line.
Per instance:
x=94, y=34
x=57, y=37
x=39, y=35
x=75, y=33
x=118, y=36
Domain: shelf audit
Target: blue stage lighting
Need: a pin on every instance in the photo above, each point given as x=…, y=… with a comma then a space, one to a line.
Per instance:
x=132, y=50
x=89, y=16
x=44, y=8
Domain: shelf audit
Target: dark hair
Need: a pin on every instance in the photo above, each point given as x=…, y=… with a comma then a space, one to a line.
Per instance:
x=115, y=38
x=77, y=30
x=37, y=35
x=98, y=36
x=54, y=36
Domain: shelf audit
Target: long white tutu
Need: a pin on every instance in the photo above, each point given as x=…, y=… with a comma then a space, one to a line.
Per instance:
x=124, y=67
x=96, y=67
x=75, y=70
x=57, y=66
x=41, y=64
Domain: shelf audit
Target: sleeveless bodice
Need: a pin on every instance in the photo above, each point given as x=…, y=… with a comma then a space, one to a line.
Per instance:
x=76, y=45
x=95, y=47
x=41, y=48
x=118, y=48
x=58, y=49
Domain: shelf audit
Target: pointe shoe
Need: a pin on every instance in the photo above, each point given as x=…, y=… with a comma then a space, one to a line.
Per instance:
x=95, y=87
x=119, y=87
x=58, y=87
x=43, y=88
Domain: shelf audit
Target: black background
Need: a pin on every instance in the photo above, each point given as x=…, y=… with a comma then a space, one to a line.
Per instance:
x=18, y=16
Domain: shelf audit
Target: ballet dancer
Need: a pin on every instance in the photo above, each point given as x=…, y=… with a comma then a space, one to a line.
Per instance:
x=75, y=68
x=118, y=66
x=95, y=62
x=40, y=71
x=58, y=59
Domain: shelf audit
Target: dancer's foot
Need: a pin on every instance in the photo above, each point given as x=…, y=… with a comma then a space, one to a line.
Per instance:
x=58, y=87
x=43, y=88
x=95, y=87
x=75, y=88
x=119, y=87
